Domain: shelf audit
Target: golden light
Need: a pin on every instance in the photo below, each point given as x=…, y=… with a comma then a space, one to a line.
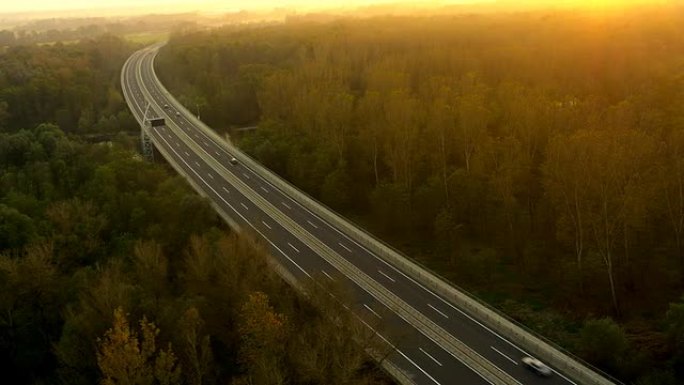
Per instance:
x=222, y=5
x=611, y=4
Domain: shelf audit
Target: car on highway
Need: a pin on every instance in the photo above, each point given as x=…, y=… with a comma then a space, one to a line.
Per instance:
x=538, y=367
x=166, y=106
x=177, y=113
x=233, y=161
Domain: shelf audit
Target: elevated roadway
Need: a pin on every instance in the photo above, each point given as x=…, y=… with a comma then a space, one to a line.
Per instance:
x=438, y=334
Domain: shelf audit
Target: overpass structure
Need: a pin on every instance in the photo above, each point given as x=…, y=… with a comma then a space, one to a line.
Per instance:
x=448, y=337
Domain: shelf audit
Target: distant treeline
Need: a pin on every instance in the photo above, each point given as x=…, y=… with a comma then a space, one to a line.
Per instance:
x=75, y=86
x=536, y=159
x=70, y=30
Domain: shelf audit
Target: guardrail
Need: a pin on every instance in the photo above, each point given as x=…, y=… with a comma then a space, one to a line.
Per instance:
x=517, y=333
x=401, y=376
x=465, y=354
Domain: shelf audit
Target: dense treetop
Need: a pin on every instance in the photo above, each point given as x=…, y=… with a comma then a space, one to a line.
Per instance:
x=533, y=158
x=75, y=86
x=113, y=271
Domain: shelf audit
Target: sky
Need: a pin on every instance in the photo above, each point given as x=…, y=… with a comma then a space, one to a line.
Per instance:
x=13, y=6
x=9, y=6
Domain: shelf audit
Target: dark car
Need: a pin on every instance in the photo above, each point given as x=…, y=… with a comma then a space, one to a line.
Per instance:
x=538, y=367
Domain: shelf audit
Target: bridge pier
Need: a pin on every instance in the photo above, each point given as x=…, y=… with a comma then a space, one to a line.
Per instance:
x=146, y=145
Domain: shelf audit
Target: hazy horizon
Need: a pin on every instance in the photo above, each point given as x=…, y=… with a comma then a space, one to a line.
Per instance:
x=214, y=6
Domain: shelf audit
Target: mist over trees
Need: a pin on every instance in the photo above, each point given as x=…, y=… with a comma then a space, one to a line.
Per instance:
x=533, y=158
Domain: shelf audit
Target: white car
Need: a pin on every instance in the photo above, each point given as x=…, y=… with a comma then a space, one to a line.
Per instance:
x=233, y=161
x=538, y=367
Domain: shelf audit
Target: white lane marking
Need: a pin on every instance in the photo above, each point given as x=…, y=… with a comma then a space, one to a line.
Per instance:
x=386, y=276
x=372, y=311
x=245, y=206
x=431, y=357
x=416, y=283
x=217, y=153
x=459, y=359
x=210, y=176
x=264, y=189
x=312, y=224
x=197, y=163
x=292, y=246
x=245, y=175
x=177, y=144
x=505, y=356
x=404, y=355
x=196, y=136
x=266, y=224
x=337, y=230
x=205, y=143
x=328, y=275
x=408, y=359
x=169, y=135
x=241, y=216
x=186, y=153
x=437, y=310
x=226, y=190
x=440, y=298
x=344, y=247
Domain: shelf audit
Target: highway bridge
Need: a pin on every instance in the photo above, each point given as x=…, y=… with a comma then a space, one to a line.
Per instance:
x=447, y=337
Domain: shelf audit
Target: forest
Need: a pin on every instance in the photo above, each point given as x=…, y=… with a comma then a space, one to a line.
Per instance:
x=534, y=159
x=114, y=271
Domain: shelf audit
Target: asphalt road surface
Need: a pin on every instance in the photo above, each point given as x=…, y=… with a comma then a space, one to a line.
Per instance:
x=207, y=164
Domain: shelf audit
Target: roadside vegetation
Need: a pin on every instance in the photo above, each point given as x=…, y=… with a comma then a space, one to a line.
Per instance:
x=534, y=159
x=113, y=271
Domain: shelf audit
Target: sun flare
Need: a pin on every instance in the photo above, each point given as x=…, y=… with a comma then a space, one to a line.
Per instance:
x=599, y=4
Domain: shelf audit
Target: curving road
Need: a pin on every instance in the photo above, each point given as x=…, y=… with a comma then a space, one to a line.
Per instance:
x=437, y=343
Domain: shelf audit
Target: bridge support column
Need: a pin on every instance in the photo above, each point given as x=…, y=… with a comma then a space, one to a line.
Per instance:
x=146, y=145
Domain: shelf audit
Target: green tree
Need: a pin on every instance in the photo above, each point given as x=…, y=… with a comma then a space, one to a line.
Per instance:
x=78, y=231
x=16, y=229
x=31, y=297
x=336, y=188
x=674, y=319
x=603, y=342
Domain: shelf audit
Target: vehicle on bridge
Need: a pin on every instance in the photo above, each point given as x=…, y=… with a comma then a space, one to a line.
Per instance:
x=156, y=122
x=538, y=367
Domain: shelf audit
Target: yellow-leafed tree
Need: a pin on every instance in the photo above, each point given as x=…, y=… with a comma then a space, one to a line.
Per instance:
x=124, y=358
x=264, y=333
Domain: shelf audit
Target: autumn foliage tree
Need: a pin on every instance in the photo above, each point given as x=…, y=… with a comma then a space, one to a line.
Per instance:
x=128, y=357
x=263, y=332
x=536, y=168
